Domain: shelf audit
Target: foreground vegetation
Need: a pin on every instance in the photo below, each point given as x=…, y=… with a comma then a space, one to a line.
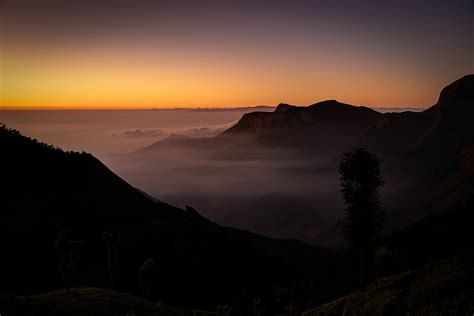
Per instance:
x=87, y=301
x=440, y=288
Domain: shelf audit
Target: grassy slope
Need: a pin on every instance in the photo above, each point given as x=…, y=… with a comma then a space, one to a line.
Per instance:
x=85, y=301
x=441, y=288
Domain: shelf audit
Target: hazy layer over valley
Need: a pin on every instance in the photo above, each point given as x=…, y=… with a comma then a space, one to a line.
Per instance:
x=231, y=179
x=117, y=131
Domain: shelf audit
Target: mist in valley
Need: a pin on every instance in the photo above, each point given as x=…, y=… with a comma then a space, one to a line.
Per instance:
x=274, y=191
x=103, y=132
x=268, y=191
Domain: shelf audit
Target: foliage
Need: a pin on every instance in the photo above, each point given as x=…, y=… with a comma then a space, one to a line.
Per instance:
x=112, y=241
x=361, y=179
x=441, y=288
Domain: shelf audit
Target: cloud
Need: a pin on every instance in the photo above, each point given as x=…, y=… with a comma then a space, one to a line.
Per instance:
x=206, y=131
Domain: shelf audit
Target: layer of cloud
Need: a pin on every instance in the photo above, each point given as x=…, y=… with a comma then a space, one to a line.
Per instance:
x=206, y=131
x=142, y=133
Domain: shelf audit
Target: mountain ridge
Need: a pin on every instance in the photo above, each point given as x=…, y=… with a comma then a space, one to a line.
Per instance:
x=311, y=139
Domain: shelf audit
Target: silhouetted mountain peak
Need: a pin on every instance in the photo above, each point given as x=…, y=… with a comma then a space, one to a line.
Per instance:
x=458, y=94
x=441, y=132
x=318, y=126
x=334, y=105
x=326, y=103
x=283, y=107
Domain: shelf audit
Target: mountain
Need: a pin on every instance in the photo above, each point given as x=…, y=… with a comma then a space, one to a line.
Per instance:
x=45, y=191
x=275, y=173
x=330, y=125
x=402, y=139
x=307, y=128
x=433, y=149
x=440, y=189
x=433, y=136
x=325, y=127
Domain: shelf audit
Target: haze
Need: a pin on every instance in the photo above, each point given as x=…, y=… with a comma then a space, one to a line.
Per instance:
x=120, y=131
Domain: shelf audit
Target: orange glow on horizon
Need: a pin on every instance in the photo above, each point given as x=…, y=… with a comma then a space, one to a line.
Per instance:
x=98, y=79
x=211, y=54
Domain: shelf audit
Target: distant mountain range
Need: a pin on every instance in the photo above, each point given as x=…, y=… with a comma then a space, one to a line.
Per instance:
x=427, y=155
x=331, y=125
x=241, y=108
x=419, y=144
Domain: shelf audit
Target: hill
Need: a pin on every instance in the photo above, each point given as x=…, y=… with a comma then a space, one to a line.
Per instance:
x=83, y=301
x=441, y=288
x=45, y=191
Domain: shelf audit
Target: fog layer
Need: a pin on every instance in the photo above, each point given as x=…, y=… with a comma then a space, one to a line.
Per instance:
x=118, y=131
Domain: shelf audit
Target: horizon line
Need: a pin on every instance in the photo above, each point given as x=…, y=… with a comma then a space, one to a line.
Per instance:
x=199, y=108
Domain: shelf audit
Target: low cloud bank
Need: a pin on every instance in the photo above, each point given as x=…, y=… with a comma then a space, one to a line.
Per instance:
x=207, y=131
x=142, y=133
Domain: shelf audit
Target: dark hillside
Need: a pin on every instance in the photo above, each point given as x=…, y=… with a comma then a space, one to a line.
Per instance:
x=441, y=288
x=46, y=190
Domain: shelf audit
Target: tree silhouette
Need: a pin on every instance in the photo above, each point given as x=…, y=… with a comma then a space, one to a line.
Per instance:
x=360, y=180
x=147, y=274
x=113, y=259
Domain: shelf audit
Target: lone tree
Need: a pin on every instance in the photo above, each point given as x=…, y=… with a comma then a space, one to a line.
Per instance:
x=360, y=180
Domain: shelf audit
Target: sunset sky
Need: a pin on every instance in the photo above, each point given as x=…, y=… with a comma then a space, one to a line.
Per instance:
x=164, y=54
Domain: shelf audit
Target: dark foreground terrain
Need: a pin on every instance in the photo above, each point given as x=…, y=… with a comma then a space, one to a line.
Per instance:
x=440, y=288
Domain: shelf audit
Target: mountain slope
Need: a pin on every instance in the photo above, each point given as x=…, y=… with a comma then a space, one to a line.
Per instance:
x=426, y=140
x=45, y=190
x=440, y=288
x=433, y=149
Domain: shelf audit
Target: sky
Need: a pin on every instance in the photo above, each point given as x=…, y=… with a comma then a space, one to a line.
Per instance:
x=139, y=54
